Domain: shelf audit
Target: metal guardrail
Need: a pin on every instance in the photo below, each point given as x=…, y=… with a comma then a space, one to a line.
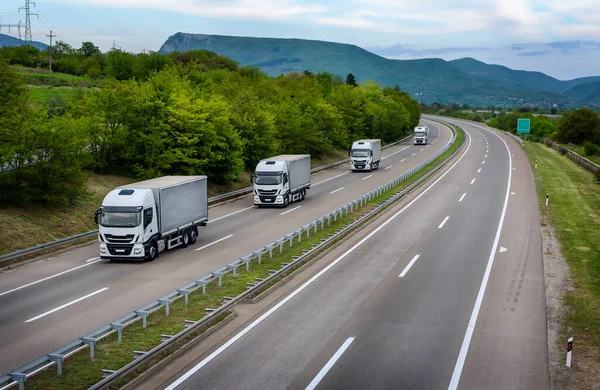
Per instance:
x=89, y=340
x=514, y=136
x=586, y=164
x=211, y=201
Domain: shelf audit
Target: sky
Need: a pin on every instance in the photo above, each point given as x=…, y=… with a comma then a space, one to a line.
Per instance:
x=486, y=29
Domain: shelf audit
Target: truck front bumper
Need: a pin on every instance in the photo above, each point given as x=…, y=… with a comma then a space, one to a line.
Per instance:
x=268, y=200
x=123, y=252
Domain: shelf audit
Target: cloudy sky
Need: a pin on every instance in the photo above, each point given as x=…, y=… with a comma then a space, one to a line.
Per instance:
x=484, y=29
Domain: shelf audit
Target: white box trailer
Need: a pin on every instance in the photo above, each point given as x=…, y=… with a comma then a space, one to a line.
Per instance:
x=365, y=155
x=421, y=134
x=281, y=180
x=140, y=220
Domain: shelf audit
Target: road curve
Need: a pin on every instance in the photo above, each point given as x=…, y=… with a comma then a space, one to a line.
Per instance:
x=51, y=302
x=445, y=292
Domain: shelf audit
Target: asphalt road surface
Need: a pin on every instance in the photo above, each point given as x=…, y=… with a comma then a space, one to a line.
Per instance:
x=447, y=292
x=48, y=303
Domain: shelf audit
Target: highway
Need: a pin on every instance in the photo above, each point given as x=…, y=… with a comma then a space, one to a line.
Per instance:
x=50, y=302
x=445, y=290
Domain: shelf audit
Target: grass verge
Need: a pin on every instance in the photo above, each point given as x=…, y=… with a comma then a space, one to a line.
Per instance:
x=41, y=95
x=79, y=372
x=574, y=212
x=580, y=150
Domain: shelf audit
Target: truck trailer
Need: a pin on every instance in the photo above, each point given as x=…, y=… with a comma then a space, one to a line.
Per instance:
x=138, y=221
x=421, y=134
x=281, y=180
x=365, y=155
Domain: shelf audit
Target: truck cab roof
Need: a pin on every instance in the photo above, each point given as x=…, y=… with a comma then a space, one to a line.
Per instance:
x=122, y=197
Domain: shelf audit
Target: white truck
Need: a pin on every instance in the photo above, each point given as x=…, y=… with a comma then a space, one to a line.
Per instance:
x=365, y=155
x=421, y=134
x=138, y=221
x=281, y=180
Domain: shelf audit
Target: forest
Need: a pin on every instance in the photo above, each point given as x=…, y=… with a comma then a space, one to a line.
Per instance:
x=150, y=114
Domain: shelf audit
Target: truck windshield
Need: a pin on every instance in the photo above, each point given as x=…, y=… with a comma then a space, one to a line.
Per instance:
x=360, y=153
x=419, y=134
x=113, y=219
x=268, y=178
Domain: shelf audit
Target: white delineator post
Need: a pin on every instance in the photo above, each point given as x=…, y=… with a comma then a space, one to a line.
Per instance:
x=569, y=351
x=547, y=196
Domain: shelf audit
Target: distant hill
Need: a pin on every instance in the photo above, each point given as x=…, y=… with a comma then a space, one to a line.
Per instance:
x=7, y=40
x=536, y=81
x=434, y=80
x=586, y=93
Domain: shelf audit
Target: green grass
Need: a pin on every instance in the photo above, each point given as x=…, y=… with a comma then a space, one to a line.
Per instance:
x=79, y=372
x=579, y=149
x=44, y=94
x=574, y=211
x=61, y=76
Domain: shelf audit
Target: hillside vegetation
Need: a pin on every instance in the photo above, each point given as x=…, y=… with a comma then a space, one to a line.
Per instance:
x=465, y=81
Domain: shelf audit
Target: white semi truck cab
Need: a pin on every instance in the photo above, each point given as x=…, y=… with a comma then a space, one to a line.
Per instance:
x=421, y=134
x=281, y=180
x=139, y=220
x=365, y=155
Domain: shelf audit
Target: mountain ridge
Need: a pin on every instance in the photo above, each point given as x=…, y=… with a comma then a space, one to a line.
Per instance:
x=8, y=40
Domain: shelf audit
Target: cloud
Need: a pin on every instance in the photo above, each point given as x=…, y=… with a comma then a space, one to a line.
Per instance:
x=273, y=10
x=532, y=53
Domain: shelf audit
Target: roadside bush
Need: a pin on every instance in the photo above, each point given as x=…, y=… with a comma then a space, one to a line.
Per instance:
x=591, y=149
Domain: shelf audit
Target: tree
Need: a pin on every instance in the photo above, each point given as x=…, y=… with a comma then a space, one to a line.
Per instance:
x=578, y=126
x=351, y=80
x=88, y=49
x=553, y=111
x=119, y=64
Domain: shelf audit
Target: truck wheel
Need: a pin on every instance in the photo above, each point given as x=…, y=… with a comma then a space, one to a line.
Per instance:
x=152, y=251
x=185, y=239
x=193, y=235
x=286, y=201
x=303, y=195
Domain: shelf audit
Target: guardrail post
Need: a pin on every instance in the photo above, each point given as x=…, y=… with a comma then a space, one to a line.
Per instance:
x=233, y=269
x=91, y=342
x=322, y=222
x=144, y=315
x=280, y=242
x=58, y=359
x=314, y=224
x=290, y=237
x=306, y=228
x=119, y=329
x=165, y=302
x=203, y=283
x=19, y=377
x=218, y=274
x=186, y=294
x=270, y=249
x=299, y=234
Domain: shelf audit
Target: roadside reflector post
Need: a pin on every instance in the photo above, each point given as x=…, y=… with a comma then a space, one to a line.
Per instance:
x=536, y=163
x=569, y=351
x=547, y=197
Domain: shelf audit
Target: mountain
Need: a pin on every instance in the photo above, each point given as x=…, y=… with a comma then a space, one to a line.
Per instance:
x=429, y=80
x=7, y=40
x=533, y=80
x=587, y=93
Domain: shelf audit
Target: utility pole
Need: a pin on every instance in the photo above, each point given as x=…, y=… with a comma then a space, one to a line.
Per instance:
x=51, y=36
x=28, y=14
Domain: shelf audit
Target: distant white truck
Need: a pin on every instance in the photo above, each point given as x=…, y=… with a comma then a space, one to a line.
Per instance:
x=421, y=134
x=365, y=155
x=281, y=180
x=137, y=221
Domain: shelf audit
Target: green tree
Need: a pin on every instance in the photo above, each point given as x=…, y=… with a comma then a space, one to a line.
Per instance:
x=88, y=49
x=119, y=64
x=578, y=126
x=351, y=80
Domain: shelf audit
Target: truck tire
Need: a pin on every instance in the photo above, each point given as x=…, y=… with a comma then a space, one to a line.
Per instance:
x=152, y=251
x=185, y=239
x=303, y=195
x=286, y=200
x=193, y=235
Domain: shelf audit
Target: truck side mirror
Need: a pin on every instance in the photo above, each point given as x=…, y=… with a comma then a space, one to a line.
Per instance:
x=252, y=178
x=371, y=153
x=96, y=215
x=349, y=150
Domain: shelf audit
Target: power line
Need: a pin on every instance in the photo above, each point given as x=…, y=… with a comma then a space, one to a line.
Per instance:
x=28, y=15
x=60, y=33
x=18, y=26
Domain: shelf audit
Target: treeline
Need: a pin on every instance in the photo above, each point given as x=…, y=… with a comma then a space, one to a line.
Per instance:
x=201, y=114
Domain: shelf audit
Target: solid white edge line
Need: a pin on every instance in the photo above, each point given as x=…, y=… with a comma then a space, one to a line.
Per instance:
x=66, y=305
x=289, y=211
x=460, y=362
x=331, y=178
x=230, y=214
x=92, y=259
x=214, y=242
x=315, y=382
x=334, y=191
x=473, y=181
x=48, y=278
x=260, y=319
x=365, y=178
x=462, y=197
x=444, y=222
x=405, y=271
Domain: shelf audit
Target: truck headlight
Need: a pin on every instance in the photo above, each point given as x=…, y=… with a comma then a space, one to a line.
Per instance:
x=137, y=251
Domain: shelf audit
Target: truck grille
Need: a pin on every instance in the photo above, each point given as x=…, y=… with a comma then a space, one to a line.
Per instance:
x=120, y=250
x=119, y=239
x=267, y=192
